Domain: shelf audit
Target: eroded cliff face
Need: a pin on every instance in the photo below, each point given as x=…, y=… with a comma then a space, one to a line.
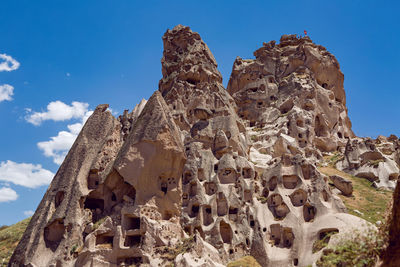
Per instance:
x=295, y=88
x=215, y=173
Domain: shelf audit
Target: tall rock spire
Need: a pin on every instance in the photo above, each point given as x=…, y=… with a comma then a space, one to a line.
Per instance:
x=186, y=59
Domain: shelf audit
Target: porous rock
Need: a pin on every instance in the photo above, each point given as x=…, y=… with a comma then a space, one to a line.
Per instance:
x=200, y=175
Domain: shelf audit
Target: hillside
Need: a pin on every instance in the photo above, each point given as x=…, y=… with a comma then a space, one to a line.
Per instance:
x=9, y=238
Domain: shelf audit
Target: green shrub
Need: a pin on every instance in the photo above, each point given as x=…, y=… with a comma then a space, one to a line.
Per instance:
x=362, y=250
x=263, y=200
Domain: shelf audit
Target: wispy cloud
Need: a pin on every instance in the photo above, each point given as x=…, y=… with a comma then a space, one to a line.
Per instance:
x=7, y=63
x=58, y=111
x=28, y=213
x=24, y=174
x=6, y=92
x=7, y=194
x=58, y=146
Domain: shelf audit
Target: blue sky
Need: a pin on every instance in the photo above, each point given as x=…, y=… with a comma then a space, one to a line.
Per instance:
x=75, y=55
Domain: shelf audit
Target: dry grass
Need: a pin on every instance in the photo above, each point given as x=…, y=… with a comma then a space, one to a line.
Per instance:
x=246, y=261
x=371, y=202
x=105, y=246
x=9, y=238
x=365, y=249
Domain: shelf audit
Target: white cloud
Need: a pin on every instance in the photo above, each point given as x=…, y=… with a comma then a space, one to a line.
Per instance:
x=7, y=63
x=28, y=213
x=59, y=111
x=24, y=174
x=58, y=146
x=6, y=91
x=7, y=194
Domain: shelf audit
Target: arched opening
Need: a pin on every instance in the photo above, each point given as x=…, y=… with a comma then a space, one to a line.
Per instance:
x=222, y=205
x=227, y=176
x=105, y=240
x=286, y=106
x=233, y=213
x=320, y=128
x=247, y=173
x=272, y=183
x=298, y=197
x=276, y=205
x=187, y=177
x=195, y=210
x=265, y=192
x=309, y=212
x=211, y=188
x=275, y=233
x=193, y=189
x=247, y=195
x=325, y=195
x=132, y=240
x=207, y=215
x=93, y=179
x=290, y=181
x=300, y=123
x=96, y=206
x=225, y=232
x=164, y=187
x=308, y=171
x=185, y=199
x=54, y=233
x=288, y=237
x=131, y=222
x=113, y=197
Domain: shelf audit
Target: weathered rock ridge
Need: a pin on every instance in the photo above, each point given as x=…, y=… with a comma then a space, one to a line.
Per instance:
x=201, y=175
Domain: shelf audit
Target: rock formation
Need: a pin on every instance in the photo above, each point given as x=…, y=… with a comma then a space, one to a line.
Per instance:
x=391, y=256
x=200, y=175
x=293, y=88
x=375, y=160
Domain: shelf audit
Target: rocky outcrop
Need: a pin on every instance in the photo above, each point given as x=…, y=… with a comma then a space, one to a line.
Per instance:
x=293, y=88
x=374, y=160
x=59, y=221
x=200, y=175
x=391, y=256
x=345, y=186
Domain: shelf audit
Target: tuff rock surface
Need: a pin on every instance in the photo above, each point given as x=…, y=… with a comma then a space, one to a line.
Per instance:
x=200, y=175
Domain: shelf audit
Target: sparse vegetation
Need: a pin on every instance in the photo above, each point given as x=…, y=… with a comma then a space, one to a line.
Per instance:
x=170, y=253
x=99, y=222
x=375, y=163
x=74, y=248
x=257, y=129
x=367, y=202
x=362, y=250
x=262, y=199
x=332, y=160
x=246, y=261
x=321, y=243
x=254, y=138
x=284, y=114
x=9, y=238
